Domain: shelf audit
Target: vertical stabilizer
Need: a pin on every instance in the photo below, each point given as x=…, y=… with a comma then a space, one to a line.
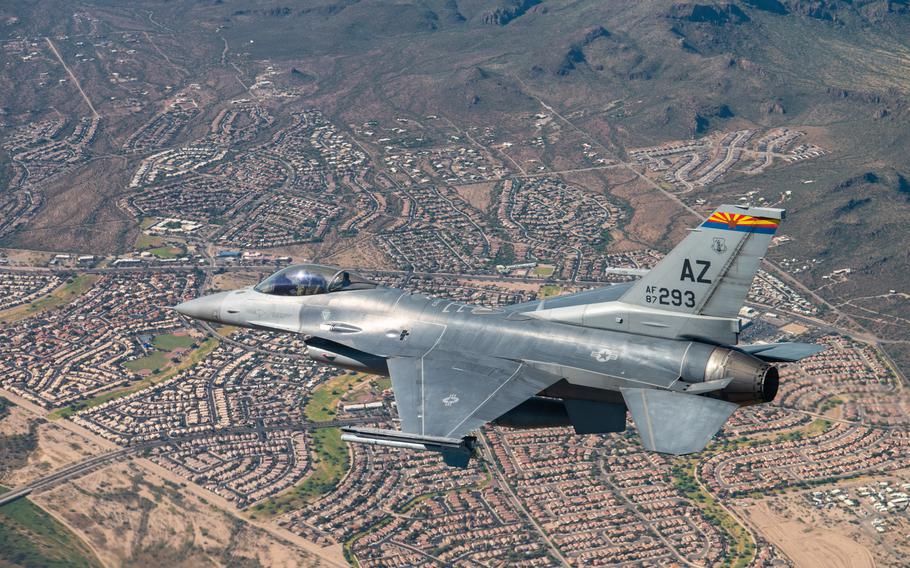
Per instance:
x=709, y=273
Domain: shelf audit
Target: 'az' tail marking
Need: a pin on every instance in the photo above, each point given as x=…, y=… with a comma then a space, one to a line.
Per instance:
x=709, y=273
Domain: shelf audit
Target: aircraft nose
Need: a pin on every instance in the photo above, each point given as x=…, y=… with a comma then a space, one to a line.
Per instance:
x=206, y=308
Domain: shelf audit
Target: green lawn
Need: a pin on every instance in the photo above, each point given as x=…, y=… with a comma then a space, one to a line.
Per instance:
x=169, y=341
x=740, y=549
x=324, y=399
x=31, y=537
x=146, y=222
x=331, y=454
x=544, y=270
x=815, y=428
x=62, y=295
x=152, y=361
x=166, y=251
x=160, y=358
x=145, y=242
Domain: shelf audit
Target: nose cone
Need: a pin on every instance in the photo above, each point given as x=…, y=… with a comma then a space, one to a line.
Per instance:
x=207, y=308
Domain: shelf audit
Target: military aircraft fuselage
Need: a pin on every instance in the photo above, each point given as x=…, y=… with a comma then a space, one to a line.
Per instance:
x=361, y=329
x=662, y=349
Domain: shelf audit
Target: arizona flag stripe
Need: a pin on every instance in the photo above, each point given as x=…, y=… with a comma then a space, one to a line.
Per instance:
x=742, y=223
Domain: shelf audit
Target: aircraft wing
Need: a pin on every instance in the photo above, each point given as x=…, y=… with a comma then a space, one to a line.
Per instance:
x=605, y=294
x=447, y=395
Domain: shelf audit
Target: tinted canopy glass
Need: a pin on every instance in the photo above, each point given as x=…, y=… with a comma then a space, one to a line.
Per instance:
x=310, y=279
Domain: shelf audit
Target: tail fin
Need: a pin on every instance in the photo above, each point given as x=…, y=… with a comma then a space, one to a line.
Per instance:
x=709, y=273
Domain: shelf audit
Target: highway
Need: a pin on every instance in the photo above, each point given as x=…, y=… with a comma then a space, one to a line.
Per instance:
x=71, y=471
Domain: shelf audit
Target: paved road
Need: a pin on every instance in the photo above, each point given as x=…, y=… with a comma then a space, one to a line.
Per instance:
x=79, y=468
x=71, y=471
x=516, y=502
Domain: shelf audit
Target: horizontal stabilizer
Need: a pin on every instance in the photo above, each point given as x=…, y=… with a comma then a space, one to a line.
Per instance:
x=782, y=352
x=676, y=423
x=626, y=271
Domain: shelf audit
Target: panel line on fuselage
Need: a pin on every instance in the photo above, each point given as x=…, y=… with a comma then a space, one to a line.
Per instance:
x=395, y=305
x=423, y=405
x=531, y=362
x=682, y=361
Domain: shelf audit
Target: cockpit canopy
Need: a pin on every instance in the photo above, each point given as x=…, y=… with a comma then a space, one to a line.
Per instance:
x=311, y=279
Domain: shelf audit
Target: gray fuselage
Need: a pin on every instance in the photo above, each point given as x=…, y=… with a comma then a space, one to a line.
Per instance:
x=387, y=322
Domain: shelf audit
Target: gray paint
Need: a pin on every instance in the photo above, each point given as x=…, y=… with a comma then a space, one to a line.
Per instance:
x=675, y=423
x=455, y=367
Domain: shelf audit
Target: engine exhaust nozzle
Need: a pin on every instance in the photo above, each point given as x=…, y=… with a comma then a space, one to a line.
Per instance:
x=753, y=381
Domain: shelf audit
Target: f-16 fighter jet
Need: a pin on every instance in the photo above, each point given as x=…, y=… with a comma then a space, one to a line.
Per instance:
x=663, y=348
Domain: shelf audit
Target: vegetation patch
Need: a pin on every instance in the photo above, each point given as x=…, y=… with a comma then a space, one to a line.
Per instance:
x=544, y=270
x=146, y=222
x=161, y=357
x=64, y=294
x=348, y=547
x=152, y=361
x=15, y=449
x=330, y=462
x=31, y=537
x=548, y=291
x=166, y=251
x=830, y=404
x=815, y=428
x=740, y=548
x=382, y=383
x=322, y=403
x=4, y=407
x=330, y=455
x=170, y=341
x=146, y=242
